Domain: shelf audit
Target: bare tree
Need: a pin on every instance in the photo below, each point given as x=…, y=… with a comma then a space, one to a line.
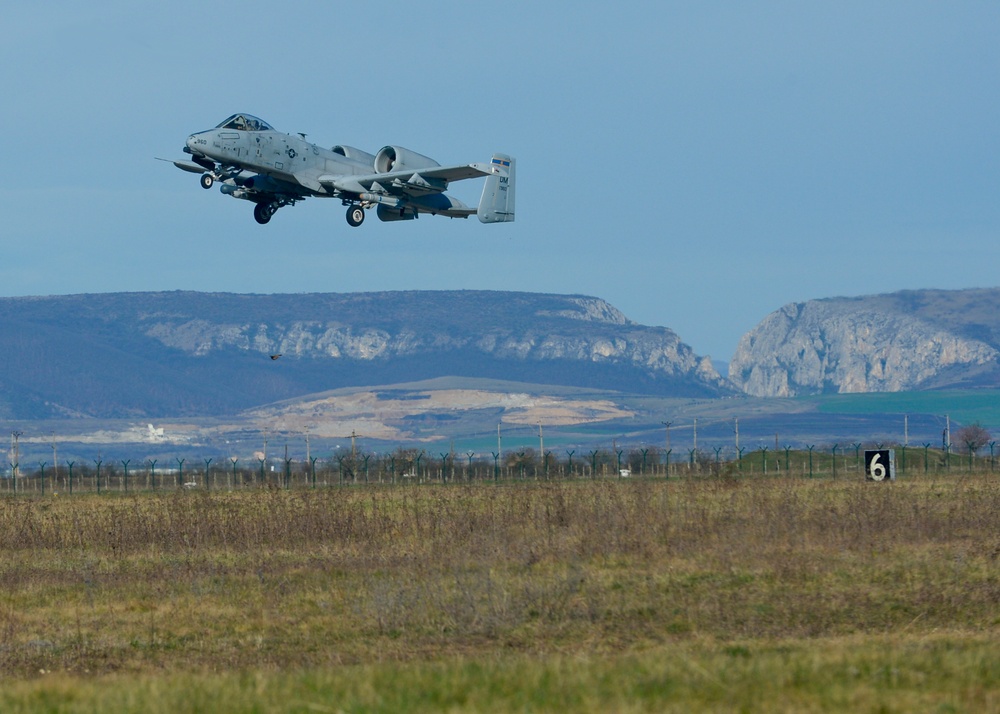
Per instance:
x=973, y=436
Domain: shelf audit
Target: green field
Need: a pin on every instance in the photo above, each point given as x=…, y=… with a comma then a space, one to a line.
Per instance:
x=964, y=406
x=713, y=593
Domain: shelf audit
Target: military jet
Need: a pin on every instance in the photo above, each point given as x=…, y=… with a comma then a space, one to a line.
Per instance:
x=252, y=161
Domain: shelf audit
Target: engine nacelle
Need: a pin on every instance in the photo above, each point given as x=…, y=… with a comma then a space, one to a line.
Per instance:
x=396, y=158
x=355, y=154
x=388, y=213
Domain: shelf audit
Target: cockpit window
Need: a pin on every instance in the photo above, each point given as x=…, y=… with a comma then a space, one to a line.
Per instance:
x=245, y=122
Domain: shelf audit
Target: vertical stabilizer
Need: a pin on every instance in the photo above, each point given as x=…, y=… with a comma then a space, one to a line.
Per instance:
x=497, y=202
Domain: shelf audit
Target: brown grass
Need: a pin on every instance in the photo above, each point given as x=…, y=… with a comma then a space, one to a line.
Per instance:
x=193, y=582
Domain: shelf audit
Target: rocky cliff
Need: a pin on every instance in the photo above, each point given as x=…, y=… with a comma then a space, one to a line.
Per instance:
x=910, y=340
x=132, y=354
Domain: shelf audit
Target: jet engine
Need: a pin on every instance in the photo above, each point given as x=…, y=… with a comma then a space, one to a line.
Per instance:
x=396, y=158
x=357, y=154
x=388, y=213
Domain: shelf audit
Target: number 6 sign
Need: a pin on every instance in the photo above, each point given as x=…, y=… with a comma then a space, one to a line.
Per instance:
x=880, y=465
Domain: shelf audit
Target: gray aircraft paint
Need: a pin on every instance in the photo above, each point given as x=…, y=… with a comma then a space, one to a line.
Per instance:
x=253, y=162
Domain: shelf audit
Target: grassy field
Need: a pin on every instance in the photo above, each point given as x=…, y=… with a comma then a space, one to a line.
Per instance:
x=715, y=594
x=964, y=406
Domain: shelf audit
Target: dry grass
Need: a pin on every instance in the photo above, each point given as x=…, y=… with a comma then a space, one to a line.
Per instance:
x=734, y=573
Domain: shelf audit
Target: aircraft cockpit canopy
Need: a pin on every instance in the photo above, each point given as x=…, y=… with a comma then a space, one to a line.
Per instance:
x=245, y=122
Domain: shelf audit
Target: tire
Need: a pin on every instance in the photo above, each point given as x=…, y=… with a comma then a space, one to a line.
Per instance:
x=355, y=215
x=207, y=180
x=262, y=213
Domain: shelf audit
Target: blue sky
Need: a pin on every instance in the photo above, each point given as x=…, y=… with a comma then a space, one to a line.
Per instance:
x=698, y=165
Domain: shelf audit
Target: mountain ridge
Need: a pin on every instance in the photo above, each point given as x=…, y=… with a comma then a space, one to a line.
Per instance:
x=183, y=352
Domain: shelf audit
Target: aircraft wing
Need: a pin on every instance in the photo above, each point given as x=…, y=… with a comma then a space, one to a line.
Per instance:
x=410, y=182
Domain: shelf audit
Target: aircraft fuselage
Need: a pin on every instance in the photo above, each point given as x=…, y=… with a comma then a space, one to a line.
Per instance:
x=281, y=156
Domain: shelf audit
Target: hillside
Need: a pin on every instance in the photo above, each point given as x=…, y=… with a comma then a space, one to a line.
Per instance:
x=187, y=353
x=909, y=340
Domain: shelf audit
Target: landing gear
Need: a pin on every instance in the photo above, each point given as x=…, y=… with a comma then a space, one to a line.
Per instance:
x=262, y=212
x=355, y=215
x=207, y=180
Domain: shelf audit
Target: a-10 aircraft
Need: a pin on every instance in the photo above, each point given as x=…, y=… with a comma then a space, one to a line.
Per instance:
x=252, y=161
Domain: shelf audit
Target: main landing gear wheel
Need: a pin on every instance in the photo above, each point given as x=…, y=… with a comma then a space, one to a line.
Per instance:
x=355, y=215
x=207, y=180
x=262, y=212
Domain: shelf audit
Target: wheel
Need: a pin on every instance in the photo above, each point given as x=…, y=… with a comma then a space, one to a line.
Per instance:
x=207, y=180
x=262, y=212
x=355, y=215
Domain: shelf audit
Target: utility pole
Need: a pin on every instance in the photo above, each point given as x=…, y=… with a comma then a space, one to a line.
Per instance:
x=736, y=422
x=696, y=434
x=499, y=450
x=667, y=425
x=15, y=464
x=906, y=430
x=541, y=443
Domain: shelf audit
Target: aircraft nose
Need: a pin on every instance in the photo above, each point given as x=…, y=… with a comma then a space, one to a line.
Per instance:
x=189, y=144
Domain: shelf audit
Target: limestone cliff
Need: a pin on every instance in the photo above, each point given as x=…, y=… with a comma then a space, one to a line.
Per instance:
x=910, y=340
